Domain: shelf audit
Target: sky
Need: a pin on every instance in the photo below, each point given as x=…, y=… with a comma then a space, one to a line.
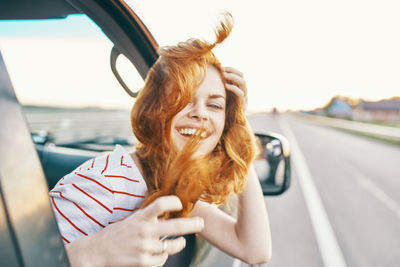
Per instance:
x=294, y=54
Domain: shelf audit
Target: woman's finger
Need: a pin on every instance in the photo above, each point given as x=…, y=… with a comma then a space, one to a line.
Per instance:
x=175, y=245
x=234, y=89
x=179, y=226
x=171, y=246
x=159, y=207
x=153, y=260
x=233, y=70
x=157, y=246
x=237, y=91
x=235, y=79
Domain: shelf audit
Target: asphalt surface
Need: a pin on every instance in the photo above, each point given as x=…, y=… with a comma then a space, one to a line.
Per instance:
x=358, y=184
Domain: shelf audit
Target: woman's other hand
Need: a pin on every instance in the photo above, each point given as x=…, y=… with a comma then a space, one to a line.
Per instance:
x=136, y=240
x=236, y=83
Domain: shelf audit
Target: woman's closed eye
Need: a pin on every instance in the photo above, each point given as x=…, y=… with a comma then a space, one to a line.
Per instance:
x=215, y=106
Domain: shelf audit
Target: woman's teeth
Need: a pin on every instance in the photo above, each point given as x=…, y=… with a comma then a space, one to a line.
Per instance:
x=189, y=132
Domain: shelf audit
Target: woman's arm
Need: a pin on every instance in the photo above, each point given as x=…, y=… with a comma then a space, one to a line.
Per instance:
x=135, y=241
x=247, y=237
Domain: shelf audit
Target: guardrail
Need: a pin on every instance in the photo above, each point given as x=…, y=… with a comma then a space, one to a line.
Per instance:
x=385, y=132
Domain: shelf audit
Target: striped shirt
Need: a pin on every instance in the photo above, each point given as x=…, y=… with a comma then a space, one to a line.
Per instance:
x=101, y=191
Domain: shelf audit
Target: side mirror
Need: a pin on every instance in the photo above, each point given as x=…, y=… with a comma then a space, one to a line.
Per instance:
x=272, y=164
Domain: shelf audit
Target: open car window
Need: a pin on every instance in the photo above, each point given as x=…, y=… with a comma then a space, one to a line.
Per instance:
x=60, y=69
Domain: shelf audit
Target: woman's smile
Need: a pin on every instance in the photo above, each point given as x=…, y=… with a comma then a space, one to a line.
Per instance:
x=187, y=131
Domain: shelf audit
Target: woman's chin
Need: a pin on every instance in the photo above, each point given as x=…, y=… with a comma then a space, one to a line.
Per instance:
x=204, y=148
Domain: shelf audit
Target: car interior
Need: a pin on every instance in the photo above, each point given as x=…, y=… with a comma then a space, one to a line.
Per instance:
x=29, y=169
x=28, y=222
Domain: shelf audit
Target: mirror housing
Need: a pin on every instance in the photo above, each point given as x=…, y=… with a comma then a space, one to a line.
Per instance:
x=272, y=163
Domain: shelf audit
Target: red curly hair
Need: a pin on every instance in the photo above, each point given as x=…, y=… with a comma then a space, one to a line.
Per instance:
x=169, y=87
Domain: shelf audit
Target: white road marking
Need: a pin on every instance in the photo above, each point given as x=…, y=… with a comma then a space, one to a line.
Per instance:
x=330, y=251
x=377, y=192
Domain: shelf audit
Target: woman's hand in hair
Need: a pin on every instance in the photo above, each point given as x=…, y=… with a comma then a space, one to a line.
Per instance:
x=136, y=240
x=236, y=83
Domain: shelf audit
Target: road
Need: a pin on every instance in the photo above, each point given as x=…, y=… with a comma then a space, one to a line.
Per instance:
x=352, y=218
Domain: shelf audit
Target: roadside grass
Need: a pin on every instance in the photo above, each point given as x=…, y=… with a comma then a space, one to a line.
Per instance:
x=370, y=136
x=386, y=140
x=383, y=123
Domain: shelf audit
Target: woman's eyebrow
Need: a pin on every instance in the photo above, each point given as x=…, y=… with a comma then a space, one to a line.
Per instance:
x=216, y=96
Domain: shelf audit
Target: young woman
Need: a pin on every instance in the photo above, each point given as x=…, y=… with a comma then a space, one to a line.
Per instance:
x=194, y=144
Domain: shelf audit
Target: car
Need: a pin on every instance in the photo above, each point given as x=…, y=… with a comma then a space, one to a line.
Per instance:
x=40, y=144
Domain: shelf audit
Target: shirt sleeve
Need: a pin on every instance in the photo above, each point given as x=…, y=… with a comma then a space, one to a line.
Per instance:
x=83, y=203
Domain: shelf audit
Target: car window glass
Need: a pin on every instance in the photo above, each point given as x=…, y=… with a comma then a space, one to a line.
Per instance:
x=60, y=70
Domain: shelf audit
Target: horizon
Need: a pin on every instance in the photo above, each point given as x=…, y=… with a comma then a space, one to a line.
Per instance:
x=89, y=107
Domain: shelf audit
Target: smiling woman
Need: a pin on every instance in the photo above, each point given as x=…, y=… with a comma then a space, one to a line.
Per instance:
x=193, y=78
x=103, y=207
x=188, y=119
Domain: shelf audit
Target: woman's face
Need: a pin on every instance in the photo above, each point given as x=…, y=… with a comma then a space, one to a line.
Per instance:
x=206, y=110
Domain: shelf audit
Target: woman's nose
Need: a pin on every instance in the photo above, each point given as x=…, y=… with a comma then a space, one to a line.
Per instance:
x=199, y=112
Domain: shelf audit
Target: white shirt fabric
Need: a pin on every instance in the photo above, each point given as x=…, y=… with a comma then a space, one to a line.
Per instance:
x=101, y=191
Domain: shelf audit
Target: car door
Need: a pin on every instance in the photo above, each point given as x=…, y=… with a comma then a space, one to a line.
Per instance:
x=56, y=58
x=28, y=231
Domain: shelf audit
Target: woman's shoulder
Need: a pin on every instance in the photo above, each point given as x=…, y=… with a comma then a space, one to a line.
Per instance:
x=125, y=178
x=114, y=165
x=111, y=178
x=109, y=162
x=119, y=161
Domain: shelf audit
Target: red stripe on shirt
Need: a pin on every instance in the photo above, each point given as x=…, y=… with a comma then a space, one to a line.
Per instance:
x=108, y=189
x=65, y=217
x=129, y=194
x=105, y=167
x=123, y=164
x=84, y=212
x=93, y=180
x=123, y=177
x=97, y=201
x=125, y=209
x=93, y=162
x=66, y=240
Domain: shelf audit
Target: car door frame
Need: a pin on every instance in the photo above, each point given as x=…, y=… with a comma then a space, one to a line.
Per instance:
x=27, y=222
